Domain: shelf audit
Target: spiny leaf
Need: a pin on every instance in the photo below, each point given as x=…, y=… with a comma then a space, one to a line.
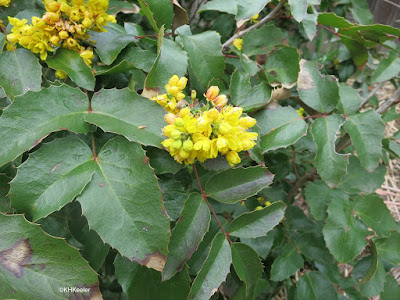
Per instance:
x=389, y=248
x=314, y=286
x=286, y=264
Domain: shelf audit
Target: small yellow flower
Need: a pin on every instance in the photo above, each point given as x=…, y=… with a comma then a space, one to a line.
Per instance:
x=238, y=43
x=5, y=3
x=301, y=111
x=254, y=19
x=61, y=74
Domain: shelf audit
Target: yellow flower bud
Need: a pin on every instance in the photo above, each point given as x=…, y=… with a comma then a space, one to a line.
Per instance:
x=176, y=134
x=212, y=114
x=182, y=83
x=238, y=43
x=51, y=17
x=61, y=74
x=183, y=153
x=170, y=118
x=188, y=145
x=193, y=94
x=167, y=143
x=177, y=144
x=184, y=112
x=220, y=101
x=63, y=34
x=111, y=19
x=71, y=42
x=212, y=92
x=179, y=122
x=173, y=80
x=52, y=6
x=247, y=122
x=233, y=158
x=87, y=22
x=55, y=40
x=224, y=128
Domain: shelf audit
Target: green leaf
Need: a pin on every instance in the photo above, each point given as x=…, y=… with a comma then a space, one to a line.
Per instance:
x=374, y=286
x=139, y=282
x=124, y=188
x=357, y=50
x=29, y=257
x=73, y=64
x=248, y=8
x=319, y=92
x=247, y=264
x=205, y=56
x=110, y=43
x=2, y=41
x=214, y=270
x=263, y=40
x=318, y=195
x=51, y=177
x=246, y=96
x=5, y=206
x=331, y=165
x=392, y=147
x=259, y=222
x=280, y=127
x=391, y=289
x=350, y=100
x=262, y=244
x=330, y=19
x=389, y=248
x=161, y=10
x=162, y=161
x=284, y=62
x=20, y=72
x=358, y=180
x=312, y=246
x=15, y=7
x=344, y=235
x=174, y=196
x=145, y=10
x=286, y=264
x=187, y=234
x=227, y=6
x=366, y=131
x=237, y=184
x=298, y=9
x=361, y=12
x=171, y=60
x=125, y=112
x=374, y=213
x=314, y=286
x=24, y=126
x=309, y=24
x=387, y=68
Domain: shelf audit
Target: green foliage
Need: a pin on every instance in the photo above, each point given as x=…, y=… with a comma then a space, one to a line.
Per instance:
x=81, y=158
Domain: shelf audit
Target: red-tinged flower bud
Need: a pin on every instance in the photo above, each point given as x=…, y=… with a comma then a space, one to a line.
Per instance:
x=220, y=101
x=212, y=92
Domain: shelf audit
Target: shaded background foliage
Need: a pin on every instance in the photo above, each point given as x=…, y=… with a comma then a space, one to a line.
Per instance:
x=81, y=158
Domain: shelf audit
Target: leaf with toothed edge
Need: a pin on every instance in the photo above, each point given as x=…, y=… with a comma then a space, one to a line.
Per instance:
x=314, y=286
x=214, y=270
x=288, y=263
x=331, y=165
x=24, y=126
x=233, y=185
x=126, y=113
x=52, y=177
x=257, y=223
x=29, y=256
x=388, y=248
x=125, y=190
x=187, y=234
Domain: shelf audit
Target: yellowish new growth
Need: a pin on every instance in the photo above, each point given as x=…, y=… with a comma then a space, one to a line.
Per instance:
x=65, y=24
x=202, y=132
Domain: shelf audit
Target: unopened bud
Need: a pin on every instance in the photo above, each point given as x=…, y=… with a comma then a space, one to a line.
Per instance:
x=177, y=144
x=220, y=101
x=179, y=122
x=188, y=145
x=193, y=94
x=247, y=122
x=212, y=92
x=174, y=80
x=183, y=153
x=184, y=112
x=176, y=134
x=63, y=34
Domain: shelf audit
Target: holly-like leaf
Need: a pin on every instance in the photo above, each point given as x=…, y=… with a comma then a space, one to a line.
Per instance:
x=246, y=96
x=139, y=282
x=375, y=285
x=318, y=195
x=247, y=264
x=387, y=68
x=298, y=9
x=51, y=177
x=162, y=161
x=110, y=43
x=263, y=40
x=284, y=62
x=259, y=222
x=237, y=184
x=5, y=206
x=187, y=234
x=286, y=264
x=227, y=6
x=344, y=235
x=391, y=288
x=366, y=131
x=171, y=60
x=161, y=10
x=30, y=256
x=358, y=180
x=214, y=270
x=374, y=213
x=205, y=55
x=330, y=19
x=33, y=116
x=389, y=248
x=331, y=165
x=314, y=286
x=125, y=112
x=280, y=127
x=20, y=72
x=73, y=64
x=124, y=189
x=248, y=8
x=350, y=100
x=319, y=92
x=262, y=245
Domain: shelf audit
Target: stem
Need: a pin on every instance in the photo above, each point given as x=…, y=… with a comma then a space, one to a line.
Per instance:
x=314, y=116
x=152, y=35
x=94, y=149
x=330, y=30
x=394, y=99
x=266, y=19
x=373, y=92
x=209, y=205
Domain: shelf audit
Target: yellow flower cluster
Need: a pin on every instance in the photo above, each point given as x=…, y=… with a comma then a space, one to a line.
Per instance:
x=174, y=94
x=66, y=24
x=238, y=43
x=203, y=132
x=5, y=3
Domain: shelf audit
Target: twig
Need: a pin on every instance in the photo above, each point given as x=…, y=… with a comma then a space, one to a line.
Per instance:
x=294, y=163
x=394, y=99
x=390, y=2
x=266, y=19
x=372, y=93
x=94, y=148
x=209, y=205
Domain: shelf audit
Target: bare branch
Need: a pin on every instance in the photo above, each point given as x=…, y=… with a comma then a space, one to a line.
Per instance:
x=373, y=92
x=394, y=99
